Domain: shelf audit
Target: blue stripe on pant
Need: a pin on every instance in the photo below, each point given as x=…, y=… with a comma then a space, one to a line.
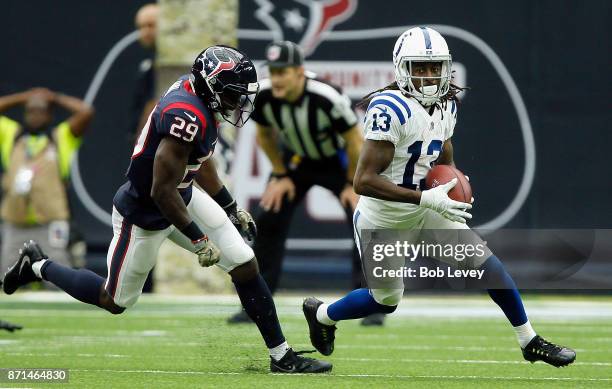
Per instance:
x=118, y=257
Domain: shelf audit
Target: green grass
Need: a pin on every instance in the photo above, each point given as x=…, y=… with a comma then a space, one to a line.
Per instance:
x=184, y=342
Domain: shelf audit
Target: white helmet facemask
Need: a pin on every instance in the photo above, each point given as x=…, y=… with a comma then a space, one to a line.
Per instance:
x=422, y=44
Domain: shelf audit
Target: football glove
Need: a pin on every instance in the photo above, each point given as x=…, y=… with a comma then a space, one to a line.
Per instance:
x=208, y=253
x=243, y=221
x=437, y=199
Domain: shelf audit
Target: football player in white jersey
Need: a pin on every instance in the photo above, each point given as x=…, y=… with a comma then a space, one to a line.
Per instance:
x=409, y=125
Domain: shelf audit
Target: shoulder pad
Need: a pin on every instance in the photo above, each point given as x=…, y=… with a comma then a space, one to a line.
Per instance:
x=392, y=102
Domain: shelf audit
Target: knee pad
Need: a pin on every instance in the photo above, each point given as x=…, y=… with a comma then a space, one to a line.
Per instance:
x=234, y=250
x=388, y=297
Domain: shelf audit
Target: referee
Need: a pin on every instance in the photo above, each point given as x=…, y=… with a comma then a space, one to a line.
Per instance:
x=309, y=133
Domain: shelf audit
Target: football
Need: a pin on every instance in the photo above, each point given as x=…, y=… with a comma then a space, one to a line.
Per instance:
x=441, y=174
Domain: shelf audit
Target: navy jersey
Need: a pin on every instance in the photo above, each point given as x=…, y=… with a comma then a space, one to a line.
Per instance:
x=179, y=114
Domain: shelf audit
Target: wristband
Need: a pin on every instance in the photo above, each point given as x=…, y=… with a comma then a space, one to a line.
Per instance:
x=193, y=232
x=279, y=175
x=224, y=198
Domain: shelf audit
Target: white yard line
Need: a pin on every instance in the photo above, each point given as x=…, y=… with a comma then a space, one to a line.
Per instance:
x=367, y=360
x=175, y=330
x=541, y=315
x=450, y=307
x=62, y=341
x=297, y=297
x=450, y=377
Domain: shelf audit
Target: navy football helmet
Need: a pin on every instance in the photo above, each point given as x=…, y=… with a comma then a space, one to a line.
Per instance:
x=226, y=80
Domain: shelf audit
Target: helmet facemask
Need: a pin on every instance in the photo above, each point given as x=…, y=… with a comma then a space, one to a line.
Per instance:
x=234, y=102
x=427, y=95
x=237, y=103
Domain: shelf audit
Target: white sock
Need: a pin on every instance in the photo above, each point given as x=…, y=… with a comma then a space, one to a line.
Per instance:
x=524, y=334
x=279, y=351
x=36, y=266
x=322, y=315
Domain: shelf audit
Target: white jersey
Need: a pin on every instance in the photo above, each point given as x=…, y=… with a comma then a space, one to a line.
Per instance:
x=418, y=138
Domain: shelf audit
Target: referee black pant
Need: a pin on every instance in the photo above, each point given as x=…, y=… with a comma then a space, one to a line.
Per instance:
x=273, y=228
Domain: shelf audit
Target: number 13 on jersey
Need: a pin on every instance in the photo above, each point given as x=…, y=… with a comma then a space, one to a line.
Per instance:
x=381, y=121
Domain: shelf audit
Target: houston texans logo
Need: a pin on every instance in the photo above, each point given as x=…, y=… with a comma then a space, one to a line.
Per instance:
x=304, y=21
x=221, y=66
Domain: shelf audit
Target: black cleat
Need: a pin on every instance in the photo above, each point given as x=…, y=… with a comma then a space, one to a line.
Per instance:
x=541, y=350
x=375, y=319
x=239, y=318
x=321, y=336
x=293, y=362
x=10, y=327
x=21, y=272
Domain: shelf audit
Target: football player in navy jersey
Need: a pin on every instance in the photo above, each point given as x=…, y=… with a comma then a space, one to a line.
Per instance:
x=158, y=201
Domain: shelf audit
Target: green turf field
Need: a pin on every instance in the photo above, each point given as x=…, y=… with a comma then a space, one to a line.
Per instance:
x=179, y=342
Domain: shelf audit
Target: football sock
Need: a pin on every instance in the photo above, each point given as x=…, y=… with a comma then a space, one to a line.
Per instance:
x=507, y=296
x=84, y=285
x=258, y=304
x=524, y=334
x=279, y=351
x=322, y=316
x=357, y=304
x=36, y=267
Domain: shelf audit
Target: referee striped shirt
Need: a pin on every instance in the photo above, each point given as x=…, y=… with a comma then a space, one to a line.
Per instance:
x=310, y=126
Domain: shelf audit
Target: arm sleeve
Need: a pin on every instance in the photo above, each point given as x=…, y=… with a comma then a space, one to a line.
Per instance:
x=67, y=145
x=342, y=116
x=182, y=121
x=381, y=123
